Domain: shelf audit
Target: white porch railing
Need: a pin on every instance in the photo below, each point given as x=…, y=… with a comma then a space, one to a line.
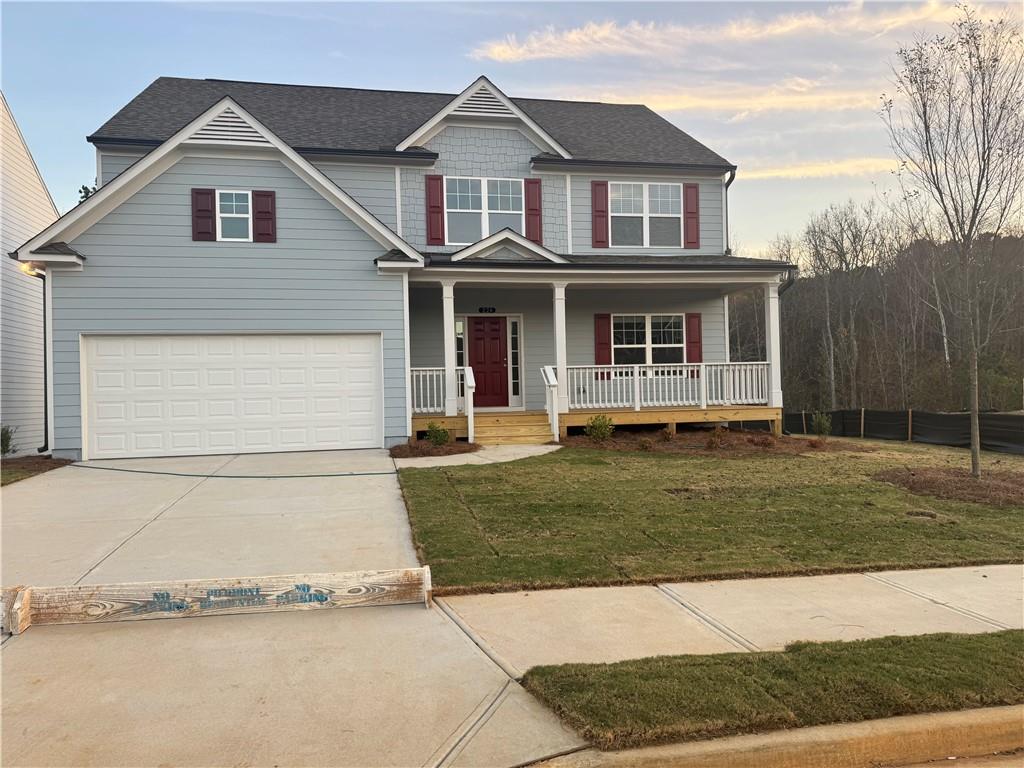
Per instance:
x=652, y=386
x=551, y=398
x=428, y=389
x=467, y=385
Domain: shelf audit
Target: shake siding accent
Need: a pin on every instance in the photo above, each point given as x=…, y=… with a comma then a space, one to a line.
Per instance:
x=711, y=239
x=535, y=304
x=113, y=163
x=145, y=274
x=482, y=152
x=25, y=209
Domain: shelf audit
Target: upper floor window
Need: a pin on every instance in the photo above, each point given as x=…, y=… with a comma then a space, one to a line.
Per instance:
x=234, y=215
x=645, y=215
x=477, y=208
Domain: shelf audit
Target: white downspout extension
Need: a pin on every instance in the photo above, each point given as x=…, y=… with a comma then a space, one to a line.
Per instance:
x=451, y=382
x=561, y=364
x=772, y=345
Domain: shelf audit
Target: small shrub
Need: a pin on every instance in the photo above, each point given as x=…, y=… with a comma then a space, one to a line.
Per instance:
x=762, y=441
x=716, y=439
x=599, y=428
x=821, y=423
x=7, y=445
x=438, y=435
x=666, y=435
x=645, y=444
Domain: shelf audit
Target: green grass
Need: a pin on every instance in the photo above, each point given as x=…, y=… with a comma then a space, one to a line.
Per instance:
x=8, y=476
x=683, y=698
x=591, y=517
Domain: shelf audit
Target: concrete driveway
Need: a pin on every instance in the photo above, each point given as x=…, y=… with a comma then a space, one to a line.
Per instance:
x=205, y=517
x=392, y=686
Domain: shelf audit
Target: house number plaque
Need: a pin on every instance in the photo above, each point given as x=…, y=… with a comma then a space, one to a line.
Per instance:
x=486, y=310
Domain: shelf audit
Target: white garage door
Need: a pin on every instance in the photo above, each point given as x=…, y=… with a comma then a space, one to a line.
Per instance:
x=184, y=395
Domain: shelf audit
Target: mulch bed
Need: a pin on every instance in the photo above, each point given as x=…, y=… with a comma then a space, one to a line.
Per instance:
x=722, y=442
x=1000, y=488
x=427, y=448
x=27, y=466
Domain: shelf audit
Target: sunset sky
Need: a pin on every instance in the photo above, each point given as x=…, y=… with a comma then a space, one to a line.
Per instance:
x=787, y=91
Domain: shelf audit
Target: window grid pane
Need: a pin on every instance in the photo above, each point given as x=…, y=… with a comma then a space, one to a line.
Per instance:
x=464, y=195
x=626, y=198
x=667, y=329
x=665, y=199
x=629, y=330
x=504, y=195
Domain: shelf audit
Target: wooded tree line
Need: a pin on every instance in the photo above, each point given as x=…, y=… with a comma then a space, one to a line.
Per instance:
x=875, y=318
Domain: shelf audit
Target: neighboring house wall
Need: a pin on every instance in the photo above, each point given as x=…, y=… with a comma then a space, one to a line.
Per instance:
x=482, y=152
x=536, y=306
x=113, y=163
x=144, y=274
x=711, y=238
x=25, y=209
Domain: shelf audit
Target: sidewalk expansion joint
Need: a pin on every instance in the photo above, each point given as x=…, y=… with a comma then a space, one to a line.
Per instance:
x=709, y=621
x=474, y=728
x=479, y=642
x=928, y=598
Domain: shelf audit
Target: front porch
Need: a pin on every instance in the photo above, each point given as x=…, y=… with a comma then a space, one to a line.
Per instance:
x=499, y=357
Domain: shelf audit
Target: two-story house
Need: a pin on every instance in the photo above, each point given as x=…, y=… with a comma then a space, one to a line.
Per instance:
x=277, y=267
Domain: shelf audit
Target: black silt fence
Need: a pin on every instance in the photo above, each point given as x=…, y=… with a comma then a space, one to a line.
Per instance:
x=1003, y=432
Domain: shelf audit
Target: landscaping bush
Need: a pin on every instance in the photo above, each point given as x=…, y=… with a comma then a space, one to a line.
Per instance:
x=438, y=435
x=7, y=446
x=599, y=428
x=645, y=444
x=666, y=435
x=716, y=439
x=821, y=423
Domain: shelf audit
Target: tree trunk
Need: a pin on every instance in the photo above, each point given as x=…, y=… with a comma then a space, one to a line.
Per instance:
x=975, y=428
x=830, y=350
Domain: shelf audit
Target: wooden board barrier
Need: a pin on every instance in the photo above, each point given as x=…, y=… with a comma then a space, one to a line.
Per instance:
x=90, y=603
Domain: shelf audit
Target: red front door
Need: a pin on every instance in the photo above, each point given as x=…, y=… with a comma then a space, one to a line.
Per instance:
x=488, y=355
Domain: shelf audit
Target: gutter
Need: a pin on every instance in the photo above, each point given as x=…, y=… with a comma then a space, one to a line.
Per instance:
x=577, y=163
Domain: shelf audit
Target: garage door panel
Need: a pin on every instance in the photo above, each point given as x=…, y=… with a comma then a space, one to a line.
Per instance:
x=181, y=395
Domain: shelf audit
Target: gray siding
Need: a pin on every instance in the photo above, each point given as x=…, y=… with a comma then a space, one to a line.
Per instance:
x=491, y=152
x=536, y=306
x=25, y=210
x=145, y=274
x=113, y=163
x=373, y=187
x=711, y=237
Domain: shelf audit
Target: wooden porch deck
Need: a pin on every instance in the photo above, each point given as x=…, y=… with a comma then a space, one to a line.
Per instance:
x=505, y=427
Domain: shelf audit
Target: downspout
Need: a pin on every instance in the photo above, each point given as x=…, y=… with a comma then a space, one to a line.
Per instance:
x=45, y=447
x=728, y=183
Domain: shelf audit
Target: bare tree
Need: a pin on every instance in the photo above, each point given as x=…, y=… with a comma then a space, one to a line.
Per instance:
x=956, y=124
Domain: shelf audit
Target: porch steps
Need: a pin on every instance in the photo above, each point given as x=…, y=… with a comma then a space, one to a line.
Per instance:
x=526, y=428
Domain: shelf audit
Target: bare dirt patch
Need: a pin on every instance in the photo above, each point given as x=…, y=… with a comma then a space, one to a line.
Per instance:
x=427, y=448
x=1000, y=488
x=715, y=442
x=27, y=466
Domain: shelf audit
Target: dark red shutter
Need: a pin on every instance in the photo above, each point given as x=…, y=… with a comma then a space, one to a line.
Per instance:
x=435, y=210
x=204, y=223
x=694, y=349
x=264, y=217
x=602, y=344
x=599, y=214
x=534, y=221
x=691, y=216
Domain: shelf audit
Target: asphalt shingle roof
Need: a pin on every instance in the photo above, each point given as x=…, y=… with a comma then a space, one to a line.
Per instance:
x=353, y=119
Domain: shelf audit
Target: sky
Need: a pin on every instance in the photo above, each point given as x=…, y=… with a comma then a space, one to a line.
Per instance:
x=789, y=92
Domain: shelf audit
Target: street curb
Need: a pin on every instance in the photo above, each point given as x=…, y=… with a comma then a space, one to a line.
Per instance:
x=892, y=741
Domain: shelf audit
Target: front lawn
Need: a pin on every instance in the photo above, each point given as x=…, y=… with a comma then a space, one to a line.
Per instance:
x=582, y=516
x=684, y=698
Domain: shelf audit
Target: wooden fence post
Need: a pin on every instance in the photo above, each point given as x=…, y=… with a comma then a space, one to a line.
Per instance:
x=910, y=425
x=803, y=418
x=862, y=423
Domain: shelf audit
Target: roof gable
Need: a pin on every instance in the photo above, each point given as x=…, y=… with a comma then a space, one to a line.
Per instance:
x=225, y=122
x=508, y=247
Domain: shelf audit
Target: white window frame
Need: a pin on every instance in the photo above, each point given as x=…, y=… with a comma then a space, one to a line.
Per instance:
x=647, y=215
x=485, y=224
x=216, y=202
x=648, y=346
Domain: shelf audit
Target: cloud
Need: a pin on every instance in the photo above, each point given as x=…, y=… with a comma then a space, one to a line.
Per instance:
x=852, y=166
x=611, y=38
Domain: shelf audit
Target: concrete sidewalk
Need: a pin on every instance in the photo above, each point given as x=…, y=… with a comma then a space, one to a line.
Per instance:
x=524, y=629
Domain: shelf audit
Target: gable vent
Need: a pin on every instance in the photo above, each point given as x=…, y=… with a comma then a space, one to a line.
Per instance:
x=483, y=102
x=228, y=128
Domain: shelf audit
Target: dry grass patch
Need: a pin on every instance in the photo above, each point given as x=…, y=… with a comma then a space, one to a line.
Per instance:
x=721, y=442
x=998, y=487
x=13, y=470
x=427, y=448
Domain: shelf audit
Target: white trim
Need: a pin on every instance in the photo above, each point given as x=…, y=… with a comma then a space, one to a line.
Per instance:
x=505, y=237
x=111, y=195
x=467, y=363
x=420, y=134
x=48, y=351
x=725, y=313
x=725, y=213
x=398, y=200
x=568, y=211
x=484, y=210
x=218, y=215
x=83, y=381
x=408, y=352
x=575, y=276
x=99, y=168
x=646, y=214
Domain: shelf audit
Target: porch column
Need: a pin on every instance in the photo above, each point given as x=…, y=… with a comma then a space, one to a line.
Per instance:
x=451, y=383
x=772, y=346
x=561, y=364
